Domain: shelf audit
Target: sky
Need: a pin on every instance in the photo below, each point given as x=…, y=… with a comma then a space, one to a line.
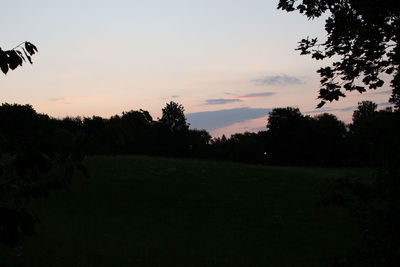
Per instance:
x=228, y=62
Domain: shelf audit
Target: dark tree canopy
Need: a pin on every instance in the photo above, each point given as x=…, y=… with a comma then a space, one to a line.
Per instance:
x=173, y=117
x=11, y=59
x=362, y=44
x=284, y=118
x=364, y=110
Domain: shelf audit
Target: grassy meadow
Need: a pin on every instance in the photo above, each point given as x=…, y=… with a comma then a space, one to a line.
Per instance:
x=143, y=211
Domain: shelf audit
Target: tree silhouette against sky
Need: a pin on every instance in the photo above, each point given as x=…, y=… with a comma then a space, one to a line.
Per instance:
x=362, y=45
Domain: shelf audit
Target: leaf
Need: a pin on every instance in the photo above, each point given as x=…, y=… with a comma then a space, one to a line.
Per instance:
x=4, y=68
x=3, y=62
x=30, y=48
x=318, y=55
x=27, y=56
x=321, y=104
x=349, y=86
x=360, y=89
x=20, y=55
x=389, y=70
x=13, y=59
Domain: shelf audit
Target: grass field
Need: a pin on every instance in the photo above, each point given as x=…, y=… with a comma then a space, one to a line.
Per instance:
x=141, y=211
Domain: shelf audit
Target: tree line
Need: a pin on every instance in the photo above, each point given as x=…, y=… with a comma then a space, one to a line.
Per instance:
x=290, y=138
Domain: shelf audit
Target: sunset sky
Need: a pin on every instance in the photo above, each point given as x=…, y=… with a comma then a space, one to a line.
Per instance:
x=228, y=62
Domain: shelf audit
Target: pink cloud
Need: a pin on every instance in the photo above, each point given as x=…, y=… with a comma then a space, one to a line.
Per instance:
x=60, y=100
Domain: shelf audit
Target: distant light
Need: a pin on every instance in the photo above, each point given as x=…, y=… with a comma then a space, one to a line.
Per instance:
x=265, y=153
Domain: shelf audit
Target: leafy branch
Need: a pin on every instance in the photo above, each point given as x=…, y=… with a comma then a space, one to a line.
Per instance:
x=362, y=38
x=11, y=59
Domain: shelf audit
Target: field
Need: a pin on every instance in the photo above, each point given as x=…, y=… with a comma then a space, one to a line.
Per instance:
x=141, y=211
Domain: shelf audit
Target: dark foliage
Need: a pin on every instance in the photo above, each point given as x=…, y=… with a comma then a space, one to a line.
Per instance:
x=293, y=138
x=362, y=41
x=363, y=45
x=375, y=203
x=374, y=135
x=246, y=147
x=11, y=59
x=35, y=158
x=173, y=118
x=288, y=135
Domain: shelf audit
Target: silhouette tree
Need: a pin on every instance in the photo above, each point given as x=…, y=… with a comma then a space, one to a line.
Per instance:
x=11, y=59
x=362, y=41
x=328, y=140
x=364, y=110
x=283, y=118
x=293, y=138
x=31, y=162
x=173, y=131
x=37, y=157
x=246, y=147
x=13, y=221
x=288, y=136
x=374, y=134
x=362, y=45
x=134, y=131
x=173, y=117
x=19, y=124
x=199, y=141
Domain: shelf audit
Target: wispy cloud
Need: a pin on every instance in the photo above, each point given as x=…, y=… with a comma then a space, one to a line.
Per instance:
x=60, y=100
x=278, y=80
x=57, y=99
x=377, y=92
x=324, y=110
x=237, y=98
x=344, y=109
x=385, y=104
x=386, y=92
x=221, y=101
x=170, y=97
x=258, y=95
